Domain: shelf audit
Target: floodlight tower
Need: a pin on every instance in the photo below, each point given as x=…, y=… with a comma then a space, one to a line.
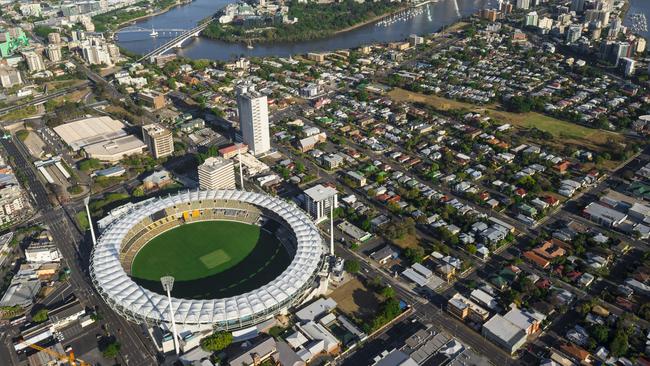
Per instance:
x=90, y=220
x=332, y=227
x=168, y=283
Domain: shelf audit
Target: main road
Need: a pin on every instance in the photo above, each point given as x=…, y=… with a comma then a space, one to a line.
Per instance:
x=136, y=349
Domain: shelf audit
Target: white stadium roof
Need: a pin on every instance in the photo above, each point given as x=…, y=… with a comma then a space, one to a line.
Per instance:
x=136, y=302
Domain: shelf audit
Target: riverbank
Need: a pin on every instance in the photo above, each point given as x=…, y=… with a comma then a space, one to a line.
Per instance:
x=159, y=12
x=107, y=26
x=373, y=20
x=428, y=19
x=315, y=21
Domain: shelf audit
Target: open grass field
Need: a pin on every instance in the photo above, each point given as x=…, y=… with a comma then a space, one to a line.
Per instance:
x=356, y=301
x=407, y=241
x=211, y=259
x=564, y=132
x=195, y=250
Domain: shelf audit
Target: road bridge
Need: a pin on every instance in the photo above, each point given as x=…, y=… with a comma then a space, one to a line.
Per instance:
x=176, y=42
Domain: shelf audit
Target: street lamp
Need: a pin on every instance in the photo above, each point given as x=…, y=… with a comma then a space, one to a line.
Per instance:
x=167, y=284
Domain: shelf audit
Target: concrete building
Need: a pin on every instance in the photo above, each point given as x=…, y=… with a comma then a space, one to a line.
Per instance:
x=54, y=52
x=614, y=28
x=504, y=333
x=54, y=38
x=21, y=293
x=573, y=33
x=216, y=173
x=114, y=150
x=318, y=200
x=578, y=5
x=152, y=99
x=34, y=61
x=532, y=19
x=95, y=52
x=233, y=150
x=416, y=40
x=9, y=76
x=13, y=203
x=88, y=131
x=159, y=140
x=522, y=4
x=42, y=252
x=628, y=65
x=254, y=120
x=31, y=9
x=511, y=330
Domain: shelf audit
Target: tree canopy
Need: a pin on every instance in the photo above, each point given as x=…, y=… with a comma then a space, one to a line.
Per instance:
x=217, y=341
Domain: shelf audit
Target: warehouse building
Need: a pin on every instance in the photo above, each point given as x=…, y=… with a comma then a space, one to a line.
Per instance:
x=88, y=131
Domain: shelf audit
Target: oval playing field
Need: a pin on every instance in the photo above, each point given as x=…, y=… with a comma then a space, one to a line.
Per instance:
x=238, y=259
x=210, y=259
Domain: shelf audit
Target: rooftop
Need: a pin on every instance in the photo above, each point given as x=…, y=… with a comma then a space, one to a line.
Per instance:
x=320, y=192
x=87, y=131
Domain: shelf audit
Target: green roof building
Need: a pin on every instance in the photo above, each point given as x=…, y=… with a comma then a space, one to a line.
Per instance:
x=10, y=40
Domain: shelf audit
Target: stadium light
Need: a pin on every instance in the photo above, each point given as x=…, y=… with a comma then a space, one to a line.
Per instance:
x=167, y=284
x=332, y=227
x=90, y=220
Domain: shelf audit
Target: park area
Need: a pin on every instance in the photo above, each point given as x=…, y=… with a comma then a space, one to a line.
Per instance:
x=563, y=132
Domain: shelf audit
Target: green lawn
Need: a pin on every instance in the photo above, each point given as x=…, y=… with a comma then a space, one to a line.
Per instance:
x=195, y=250
x=564, y=132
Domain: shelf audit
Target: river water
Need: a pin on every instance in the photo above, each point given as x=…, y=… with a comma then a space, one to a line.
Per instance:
x=638, y=6
x=430, y=18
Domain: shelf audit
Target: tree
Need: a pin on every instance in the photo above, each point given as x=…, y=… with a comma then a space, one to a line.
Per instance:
x=388, y=292
x=217, y=341
x=600, y=333
x=352, y=266
x=40, y=316
x=111, y=350
x=414, y=255
x=644, y=311
x=619, y=344
x=89, y=164
x=138, y=191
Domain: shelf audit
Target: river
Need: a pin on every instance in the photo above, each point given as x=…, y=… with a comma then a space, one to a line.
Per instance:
x=638, y=6
x=429, y=19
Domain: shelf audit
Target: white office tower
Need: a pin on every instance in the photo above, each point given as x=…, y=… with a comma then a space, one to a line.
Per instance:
x=34, y=61
x=318, y=200
x=254, y=119
x=522, y=4
x=54, y=52
x=216, y=173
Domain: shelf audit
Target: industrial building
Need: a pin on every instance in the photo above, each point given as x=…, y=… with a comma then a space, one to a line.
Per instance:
x=115, y=150
x=87, y=131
